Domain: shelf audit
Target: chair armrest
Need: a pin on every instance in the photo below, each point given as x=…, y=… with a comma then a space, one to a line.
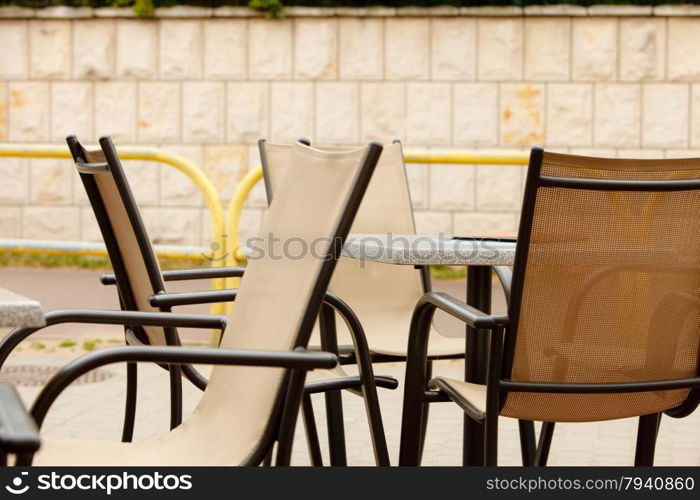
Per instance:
x=18, y=432
x=297, y=359
x=417, y=360
x=600, y=388
x=189, y=298
x=464, y=312
x=101, y=317
x=136, y=318
x=188, y=274
x=505, y=275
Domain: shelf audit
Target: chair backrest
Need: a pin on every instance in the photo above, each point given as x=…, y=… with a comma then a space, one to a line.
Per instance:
x=606, y=285
x=385, y=208
x=130, y=251
x=278, y=299
x=282, y=290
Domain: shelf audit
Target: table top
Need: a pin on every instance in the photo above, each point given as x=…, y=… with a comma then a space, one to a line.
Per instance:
x=412, y=249
x=18, y=311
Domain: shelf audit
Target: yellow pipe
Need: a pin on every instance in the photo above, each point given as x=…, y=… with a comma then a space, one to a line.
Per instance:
x=235, y=254
x=165, y=254
x=185, y=166
x=235, y=209
x=466, y=157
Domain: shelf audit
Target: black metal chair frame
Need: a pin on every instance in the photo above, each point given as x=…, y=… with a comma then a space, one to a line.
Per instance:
x=178, y=360
x=19, y=435
x=358, y=354
x=347, y=356
x=361, y=385
x=282, y=422
x=501, y=352
x=298, y=362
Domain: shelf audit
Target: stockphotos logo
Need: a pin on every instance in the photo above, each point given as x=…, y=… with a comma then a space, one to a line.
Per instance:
x=107, y=483
x=18, y=487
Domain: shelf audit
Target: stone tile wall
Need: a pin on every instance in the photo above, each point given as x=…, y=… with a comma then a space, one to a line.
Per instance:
x=207, y=88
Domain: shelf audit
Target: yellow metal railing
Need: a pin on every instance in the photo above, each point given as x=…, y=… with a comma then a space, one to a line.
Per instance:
x=231, y=252
x=235, y=209
x=235, y=254
x=191, y=170
x=467, y=157
x=86, y=249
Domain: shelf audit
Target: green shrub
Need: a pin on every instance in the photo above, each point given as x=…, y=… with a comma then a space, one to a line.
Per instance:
x=10, y=259
x=91, y=345
x=143, y=8
x=275, y=8
x=448, y=272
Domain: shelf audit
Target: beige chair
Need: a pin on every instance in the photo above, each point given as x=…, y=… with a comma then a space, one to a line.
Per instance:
x=141, y=287
x=137, y=272
x=244, y=409
x=604, y=316
x=382, y=296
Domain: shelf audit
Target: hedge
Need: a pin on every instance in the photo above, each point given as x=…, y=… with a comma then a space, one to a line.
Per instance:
x=274, y=8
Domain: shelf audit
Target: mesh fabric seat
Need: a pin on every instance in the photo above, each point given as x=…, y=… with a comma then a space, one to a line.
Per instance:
x=381, y=295
x=606, y=295
x=131, y=253
x=277, y=303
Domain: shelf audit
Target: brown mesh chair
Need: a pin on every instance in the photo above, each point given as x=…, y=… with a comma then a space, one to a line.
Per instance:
x=604, y=315
x=252, y=403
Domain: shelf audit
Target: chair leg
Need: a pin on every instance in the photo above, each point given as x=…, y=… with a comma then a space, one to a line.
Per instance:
x=367, y=379
x=411, y=425
x=426, y=410
x=307, y=410
x=491, y=440
x=474, y=438
x=545, y=443
x=414, y=385
x=23, y=459
x=175, y=396
x=334, y=400
x=288, y=419
x=267, y=461
x=527, y=441
x=647, y=431
x=130, y=406
x=336, y=428
x=374, y=418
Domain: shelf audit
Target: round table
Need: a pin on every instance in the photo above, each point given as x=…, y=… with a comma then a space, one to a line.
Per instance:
x=479, y=255
x=17, y=311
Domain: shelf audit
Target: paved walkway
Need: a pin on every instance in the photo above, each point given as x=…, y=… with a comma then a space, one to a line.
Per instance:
x=94, y=410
